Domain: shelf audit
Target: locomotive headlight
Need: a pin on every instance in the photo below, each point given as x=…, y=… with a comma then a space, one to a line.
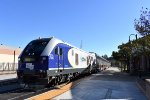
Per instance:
x=43, y=59
x=41, y=71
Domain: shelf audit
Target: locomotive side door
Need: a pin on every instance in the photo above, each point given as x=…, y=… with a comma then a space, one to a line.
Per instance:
x=60, y=57
x=61, y=60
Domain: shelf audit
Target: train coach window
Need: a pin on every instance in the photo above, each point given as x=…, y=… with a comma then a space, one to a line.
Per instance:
x=91, y=58
x=87, y=60
x=76, y=59
x=72, y=52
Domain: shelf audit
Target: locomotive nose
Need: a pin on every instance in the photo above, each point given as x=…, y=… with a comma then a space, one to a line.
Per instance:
x=33, y=67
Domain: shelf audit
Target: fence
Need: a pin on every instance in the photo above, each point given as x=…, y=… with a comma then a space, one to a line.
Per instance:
x=8, y=67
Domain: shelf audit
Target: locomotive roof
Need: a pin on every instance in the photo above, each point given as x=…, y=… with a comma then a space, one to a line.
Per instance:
x=53, y=42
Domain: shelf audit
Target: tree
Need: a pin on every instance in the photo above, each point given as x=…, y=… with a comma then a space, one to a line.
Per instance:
x=142, y=25
x=123, y=55
x=105, y=56
x=136, y=48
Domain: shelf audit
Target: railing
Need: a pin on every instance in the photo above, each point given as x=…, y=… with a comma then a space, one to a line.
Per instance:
x=8, y=67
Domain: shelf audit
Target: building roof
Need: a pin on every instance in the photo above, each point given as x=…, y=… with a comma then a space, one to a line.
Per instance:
x=9, y=50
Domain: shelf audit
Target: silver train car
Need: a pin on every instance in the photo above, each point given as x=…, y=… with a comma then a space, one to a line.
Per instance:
x=100, y=63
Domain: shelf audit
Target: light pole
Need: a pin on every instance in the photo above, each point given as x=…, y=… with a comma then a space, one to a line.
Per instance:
x=130, y=61
x=134, y=35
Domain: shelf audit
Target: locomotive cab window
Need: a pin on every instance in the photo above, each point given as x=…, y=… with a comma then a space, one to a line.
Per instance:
x=36, y=47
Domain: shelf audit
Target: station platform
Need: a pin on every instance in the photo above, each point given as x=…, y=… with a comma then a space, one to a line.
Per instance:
x=7, y=76
x=109, y=84
x=7, y=72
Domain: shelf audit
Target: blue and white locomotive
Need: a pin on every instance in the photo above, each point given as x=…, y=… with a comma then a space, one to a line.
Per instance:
x=50, y=60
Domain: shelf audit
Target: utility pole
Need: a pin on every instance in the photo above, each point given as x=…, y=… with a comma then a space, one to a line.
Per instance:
x=14, y=59
x=81, y=45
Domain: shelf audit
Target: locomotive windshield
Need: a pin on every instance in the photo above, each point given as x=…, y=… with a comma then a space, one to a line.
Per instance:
x=35, y=47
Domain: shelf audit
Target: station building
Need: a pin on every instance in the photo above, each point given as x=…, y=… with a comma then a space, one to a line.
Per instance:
x=9, y=57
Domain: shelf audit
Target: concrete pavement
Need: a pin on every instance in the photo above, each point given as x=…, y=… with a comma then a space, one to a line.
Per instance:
x=110, y=84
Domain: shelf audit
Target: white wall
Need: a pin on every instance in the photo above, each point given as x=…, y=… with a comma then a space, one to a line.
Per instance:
x=5, y=58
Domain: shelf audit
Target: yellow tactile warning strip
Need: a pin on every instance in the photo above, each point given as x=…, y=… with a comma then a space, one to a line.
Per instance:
x=53, y=93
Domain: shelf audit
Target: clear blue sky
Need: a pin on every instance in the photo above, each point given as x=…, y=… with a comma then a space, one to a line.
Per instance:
x=102, y=25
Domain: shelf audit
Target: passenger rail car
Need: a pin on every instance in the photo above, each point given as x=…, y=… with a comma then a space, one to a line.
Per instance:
x=100, y=63
x=50, y=60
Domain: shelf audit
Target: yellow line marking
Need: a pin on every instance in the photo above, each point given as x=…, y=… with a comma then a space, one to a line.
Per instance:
x=53, y=93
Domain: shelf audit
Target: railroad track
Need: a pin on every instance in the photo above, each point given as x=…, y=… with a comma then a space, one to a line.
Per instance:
x=7, y=81
x=20, y=93
x=8, y=85
x=17, y=91
x=23, y=93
